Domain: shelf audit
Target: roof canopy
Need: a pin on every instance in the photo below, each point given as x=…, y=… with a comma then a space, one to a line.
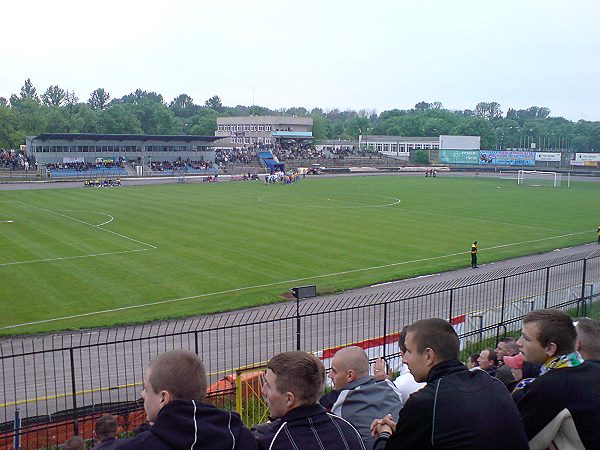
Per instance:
x=124, y=137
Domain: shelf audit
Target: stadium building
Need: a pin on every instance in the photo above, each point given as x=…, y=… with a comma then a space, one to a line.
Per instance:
x=250, y=131
x=135, y=148
x=401, y=146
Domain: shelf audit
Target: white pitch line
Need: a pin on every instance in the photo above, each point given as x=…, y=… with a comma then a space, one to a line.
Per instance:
x=89, y=224
x=62, y=258
x=229, y=291
x=6, y=221
x=95, y=212
x=396, y=202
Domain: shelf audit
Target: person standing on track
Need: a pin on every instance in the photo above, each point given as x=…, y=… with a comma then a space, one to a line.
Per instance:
x=474, y=249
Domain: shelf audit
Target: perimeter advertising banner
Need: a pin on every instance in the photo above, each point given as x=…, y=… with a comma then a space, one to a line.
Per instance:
x=547, y=156
x=506, y=158
x=459, y=156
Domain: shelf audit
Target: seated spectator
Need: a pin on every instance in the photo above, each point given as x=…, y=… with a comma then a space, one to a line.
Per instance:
x=361, y=398
x=458, y=408
x=405, y=382
x=561, y=409
x=487, y=361
x=507, y=346
x=588, y=339
x=292, y=386
x=523, y=372
x=174, y=390
x=106, y=432
x=472, y=362
x=74, y=443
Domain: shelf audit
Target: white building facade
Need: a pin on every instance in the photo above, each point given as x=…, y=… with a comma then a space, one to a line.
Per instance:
x=251, y=131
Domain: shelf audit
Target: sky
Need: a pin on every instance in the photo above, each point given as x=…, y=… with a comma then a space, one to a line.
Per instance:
x=375, y=55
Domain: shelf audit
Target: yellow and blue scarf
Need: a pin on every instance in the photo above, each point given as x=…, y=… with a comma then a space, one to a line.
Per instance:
x=560, y=362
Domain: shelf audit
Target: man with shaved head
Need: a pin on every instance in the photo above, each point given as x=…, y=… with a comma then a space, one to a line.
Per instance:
x=361, y=398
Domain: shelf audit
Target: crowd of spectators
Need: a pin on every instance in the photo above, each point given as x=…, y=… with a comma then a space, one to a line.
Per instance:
x=170, y=166
x=236, y=155
x=296, y=151
x=14, y=160
x=84, y=166
x=435, y=402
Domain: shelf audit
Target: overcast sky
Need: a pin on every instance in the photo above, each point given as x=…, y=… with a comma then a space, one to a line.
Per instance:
x=374, y=55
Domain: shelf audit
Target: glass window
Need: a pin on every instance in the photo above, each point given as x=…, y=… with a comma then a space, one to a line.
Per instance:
x=240, y=128
x=246, y=127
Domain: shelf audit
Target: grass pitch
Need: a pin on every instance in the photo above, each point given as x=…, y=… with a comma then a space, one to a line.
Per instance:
x=73, y=258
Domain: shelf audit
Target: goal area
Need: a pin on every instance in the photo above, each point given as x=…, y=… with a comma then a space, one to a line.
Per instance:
x=540, y=178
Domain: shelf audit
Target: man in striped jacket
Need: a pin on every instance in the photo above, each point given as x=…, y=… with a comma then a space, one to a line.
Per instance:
x=292, y=386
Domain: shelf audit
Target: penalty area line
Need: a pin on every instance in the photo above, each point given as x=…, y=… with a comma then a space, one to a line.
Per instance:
x=62, y=258
x=276, y=283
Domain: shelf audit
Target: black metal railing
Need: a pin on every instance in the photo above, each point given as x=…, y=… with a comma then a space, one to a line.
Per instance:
x=59, y=384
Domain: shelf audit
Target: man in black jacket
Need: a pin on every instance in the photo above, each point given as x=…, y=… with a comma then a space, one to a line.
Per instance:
x=174, y=390
x=458, y=408
x=292, y=386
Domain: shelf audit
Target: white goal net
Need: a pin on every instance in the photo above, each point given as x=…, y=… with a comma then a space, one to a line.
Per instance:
x=538, y=178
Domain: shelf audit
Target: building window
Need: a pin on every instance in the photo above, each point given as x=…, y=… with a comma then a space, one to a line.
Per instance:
x=268, y=127
x=225, y=127
x=220, y=127
x=240, y=128
x=232, y=140
x=261, y=128
x=267, y=140
x=253, y=127
x=246, y=127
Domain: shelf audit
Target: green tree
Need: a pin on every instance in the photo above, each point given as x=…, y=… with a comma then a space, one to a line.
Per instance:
x=99, y=99
x=421, y=158
x=214, y=103
x=54, y=96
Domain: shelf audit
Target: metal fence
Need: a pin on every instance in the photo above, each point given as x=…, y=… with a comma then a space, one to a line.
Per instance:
x=56, y=385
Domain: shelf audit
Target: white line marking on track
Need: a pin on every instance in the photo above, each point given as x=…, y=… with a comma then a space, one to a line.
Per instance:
x=6, y=221
x=229, y=291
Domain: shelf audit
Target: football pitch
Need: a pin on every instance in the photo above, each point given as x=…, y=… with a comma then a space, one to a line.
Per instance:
x=77, y=258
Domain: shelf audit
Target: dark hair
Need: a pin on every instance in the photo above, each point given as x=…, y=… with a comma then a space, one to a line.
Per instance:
x=436, y=334
x=74, y=443
x=555, y=326
x=179, y=372
x=300, y=373
x=473, y=358
x=402, y=339
x=106, y=427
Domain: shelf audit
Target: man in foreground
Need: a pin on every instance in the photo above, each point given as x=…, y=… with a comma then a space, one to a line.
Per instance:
x=292, y=386
x=458, y=408
x=561, y=409
x=174, y=390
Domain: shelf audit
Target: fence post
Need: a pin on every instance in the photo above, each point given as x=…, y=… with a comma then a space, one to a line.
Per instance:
x=384, y=329
x=451, y=305
x=297, y=323
x=502, y=307
x=547, y=287
x=196, y=342
x=583, y=278
x=17, y=429
x=74, y=394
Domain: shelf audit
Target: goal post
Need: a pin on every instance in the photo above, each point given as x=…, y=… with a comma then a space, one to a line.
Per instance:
x=539, y=178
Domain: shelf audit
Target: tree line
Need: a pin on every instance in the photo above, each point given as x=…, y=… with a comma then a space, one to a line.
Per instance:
x=60, y=111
